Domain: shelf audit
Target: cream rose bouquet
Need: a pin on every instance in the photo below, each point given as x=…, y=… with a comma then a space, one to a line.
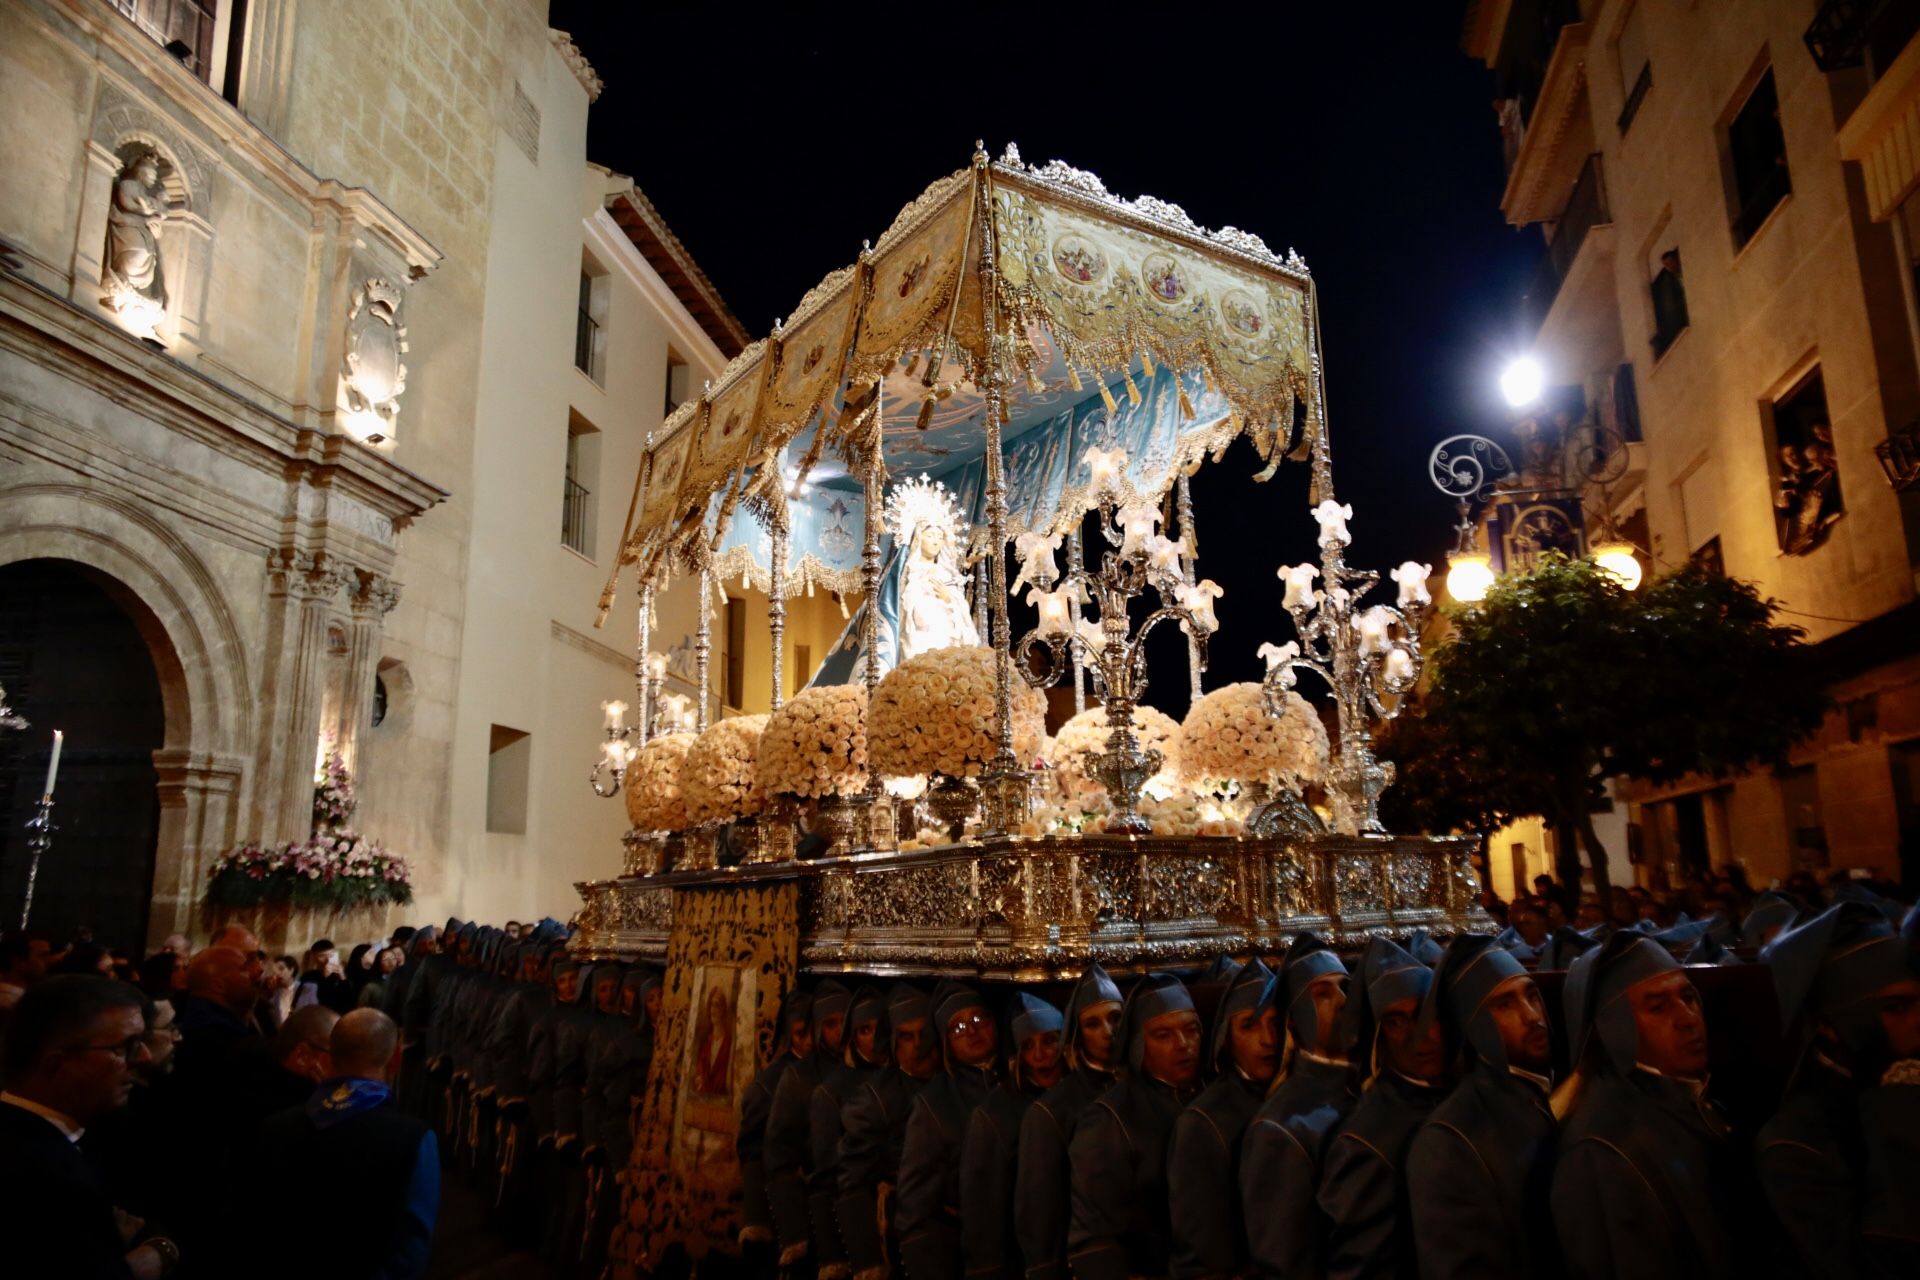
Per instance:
x=1228, y=735
x=1156, y=730
x=816, y=745
x=934, y=713
x=718, y=776
x=655, y=799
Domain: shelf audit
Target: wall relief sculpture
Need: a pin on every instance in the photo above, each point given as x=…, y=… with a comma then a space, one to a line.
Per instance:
x=372, y=376
x=136, y=289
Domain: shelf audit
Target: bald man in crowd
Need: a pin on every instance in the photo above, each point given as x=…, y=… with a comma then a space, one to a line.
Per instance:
x=349, y=1134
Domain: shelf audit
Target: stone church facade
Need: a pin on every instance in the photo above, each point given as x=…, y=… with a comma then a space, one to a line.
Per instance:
x=261, y=276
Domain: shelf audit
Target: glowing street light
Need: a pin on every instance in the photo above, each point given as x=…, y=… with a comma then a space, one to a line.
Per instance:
x=1522, y=381
x=1618, y=559
x=1469, y=576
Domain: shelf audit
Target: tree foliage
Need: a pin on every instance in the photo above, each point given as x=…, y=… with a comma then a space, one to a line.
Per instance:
x=1561, y=678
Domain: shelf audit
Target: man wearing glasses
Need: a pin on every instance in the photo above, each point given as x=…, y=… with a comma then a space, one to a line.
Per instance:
x=72, y=1050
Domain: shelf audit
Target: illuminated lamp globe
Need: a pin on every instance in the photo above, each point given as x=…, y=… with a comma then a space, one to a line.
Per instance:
x=1522, y=381
x=1617, y=558
x=1469, y=576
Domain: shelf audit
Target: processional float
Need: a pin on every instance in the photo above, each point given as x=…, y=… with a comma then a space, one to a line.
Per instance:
x=1045, y=352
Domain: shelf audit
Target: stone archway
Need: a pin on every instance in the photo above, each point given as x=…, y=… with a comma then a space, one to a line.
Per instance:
x=74, y=660
x=180, y=607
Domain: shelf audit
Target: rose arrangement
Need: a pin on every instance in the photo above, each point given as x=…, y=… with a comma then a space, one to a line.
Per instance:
x=1228, y=735
x=655, y=799
x=934, y=713
x=816, y=745
x=334, y=867
x=328, y=869
x=718, y=775
x=1088, y=731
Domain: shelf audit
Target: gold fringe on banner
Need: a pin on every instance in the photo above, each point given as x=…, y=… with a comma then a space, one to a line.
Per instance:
x=1133, y=392
x=1206, y=376
x=1146, y=362
x=1106, y=398
x=1073, y=378
x=1186, y=405
x=925, y=417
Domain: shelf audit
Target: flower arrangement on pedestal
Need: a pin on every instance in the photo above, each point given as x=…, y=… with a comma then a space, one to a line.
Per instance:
x=815, y=746
x=934, y=713
x=656, y=801
x=1088, y=733
x=334, y=867
x=1228, y=736
x=718, y=774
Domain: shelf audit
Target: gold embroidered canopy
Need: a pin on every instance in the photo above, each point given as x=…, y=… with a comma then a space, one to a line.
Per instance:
x=1030, y=287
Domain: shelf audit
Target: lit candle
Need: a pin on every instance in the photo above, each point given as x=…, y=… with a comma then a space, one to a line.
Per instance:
x=1092, y=635
x=1107, y=466
x=1137, y=522
x=1299, y=579
x=657, y=665
x=1054, y=617
x=1197, y=600
x=1036, y=558
x=1164, y=554
x=1412, y=577
x=1276, y=654
x=1333, y=517
x=53, y=765
x=1373, y=625
x=1399, y=666
x=616, y=714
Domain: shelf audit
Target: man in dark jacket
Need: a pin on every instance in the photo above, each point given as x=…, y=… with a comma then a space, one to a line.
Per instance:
x=792, y=1041
x=874, y=1128
x=1120, y=1226
x=1280, y=1154
x=1042, y=1188
x=1480, y=1168
x=566, y=1185
x=989, y=1156
x=419, y=1085
x=1363, y=1191
x=788, y=1150
x=618, y=1059
x=1203, y=1174
x=866, y=1052
x=929, y=1196
x=72, y=1046
x=1638, y=1187
x=350, y=1134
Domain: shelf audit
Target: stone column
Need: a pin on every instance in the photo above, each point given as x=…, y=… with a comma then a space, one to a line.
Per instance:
x=372, y=598
x=197, y=795
x=302, y=586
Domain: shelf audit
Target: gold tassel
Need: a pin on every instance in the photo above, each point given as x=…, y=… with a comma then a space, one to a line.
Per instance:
x=913, y=364
x=1206, y=376
x=1106, y=398
x=1186, y=405
x=1133, y=392
x=1073, y=378
x=1146, y=362
x=1034, y=384
x=1236, y=423
x=925, y=419
x=1006, y=414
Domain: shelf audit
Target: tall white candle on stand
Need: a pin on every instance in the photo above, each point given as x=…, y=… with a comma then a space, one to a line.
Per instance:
x=53, y=765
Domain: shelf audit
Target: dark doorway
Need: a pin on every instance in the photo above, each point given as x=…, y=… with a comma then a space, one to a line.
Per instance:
x=72, y=659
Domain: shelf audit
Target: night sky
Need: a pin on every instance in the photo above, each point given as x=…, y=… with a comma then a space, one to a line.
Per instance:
x=774, y=141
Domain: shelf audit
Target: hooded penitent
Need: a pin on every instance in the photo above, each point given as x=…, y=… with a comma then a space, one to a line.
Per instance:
x=1566, y=942
x=1093, y=988
x=830, y=999
x=1250, y=989
x=1388, y=975
x=1471, y=969
x=1422, y=947
x=1770, y=911
x=1152, y=996
x=1307, y=961
x=1830, y=967
x=1028, y=1017
x=1595, y=997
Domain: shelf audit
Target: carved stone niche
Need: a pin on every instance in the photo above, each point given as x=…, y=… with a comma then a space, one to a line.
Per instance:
x=372, y=373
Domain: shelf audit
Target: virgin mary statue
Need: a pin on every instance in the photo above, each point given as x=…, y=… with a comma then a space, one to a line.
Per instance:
x=933, y=596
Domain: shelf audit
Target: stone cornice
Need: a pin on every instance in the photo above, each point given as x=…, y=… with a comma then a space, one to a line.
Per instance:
x=577, y=63
x=164, y=389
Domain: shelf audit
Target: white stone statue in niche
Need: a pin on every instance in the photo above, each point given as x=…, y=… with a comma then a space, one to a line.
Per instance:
x=372, y=376
x=136, y=289
x=933, y=597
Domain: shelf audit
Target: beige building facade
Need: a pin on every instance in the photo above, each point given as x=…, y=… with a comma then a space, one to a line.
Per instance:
x=1730, y=282
x=326, y=359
